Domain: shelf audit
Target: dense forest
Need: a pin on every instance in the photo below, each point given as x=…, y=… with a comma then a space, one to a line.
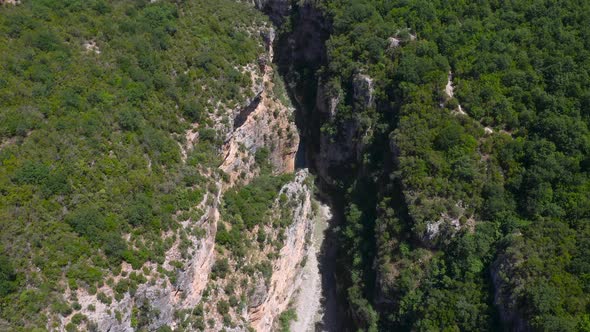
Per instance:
x=471, y=202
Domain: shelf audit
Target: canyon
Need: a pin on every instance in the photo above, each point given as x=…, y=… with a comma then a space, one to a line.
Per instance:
x=303, y=272
x=275, y=165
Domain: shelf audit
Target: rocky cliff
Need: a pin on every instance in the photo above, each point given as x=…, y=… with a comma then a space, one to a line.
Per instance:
x=160, y=296
x=287, y=274
x=170, y=294
x=266, y=122
x=342, y=147
x=279, y=273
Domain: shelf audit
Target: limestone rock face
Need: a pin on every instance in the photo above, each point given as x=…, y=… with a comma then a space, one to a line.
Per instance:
x=159, y=294
x=363, y=90
x=347, y=146
x=287, y=271
x=262, y=127
x=337, y=151
x=393, y=42
x=327, y=101
x=259, y=295
x=265, y=122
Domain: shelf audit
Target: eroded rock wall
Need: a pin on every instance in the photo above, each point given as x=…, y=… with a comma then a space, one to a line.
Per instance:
x=287, y=268
x=268, y=124
x=267, y=121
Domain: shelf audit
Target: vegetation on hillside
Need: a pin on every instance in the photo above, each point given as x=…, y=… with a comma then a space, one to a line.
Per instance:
x=501, y=168
x=246, y=207
x=95, y=99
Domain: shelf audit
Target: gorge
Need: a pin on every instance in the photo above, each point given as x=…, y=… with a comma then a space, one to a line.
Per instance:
x=281, y=165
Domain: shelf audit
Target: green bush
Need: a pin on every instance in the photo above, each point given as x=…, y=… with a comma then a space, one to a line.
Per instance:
x=7, y=276
x=286, y=318
x=223, y=307
x=251, y=202
x=78, y=318
x=220, y=269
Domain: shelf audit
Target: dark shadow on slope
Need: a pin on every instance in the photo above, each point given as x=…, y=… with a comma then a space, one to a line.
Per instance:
x=299, y=54
x=333, y=303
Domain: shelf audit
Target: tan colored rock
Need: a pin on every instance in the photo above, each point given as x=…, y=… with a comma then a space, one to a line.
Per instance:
x=91, y=46
x=363, y=90
x=449, y=88
x=269, y=124
x=287, y=271
x=265, y=123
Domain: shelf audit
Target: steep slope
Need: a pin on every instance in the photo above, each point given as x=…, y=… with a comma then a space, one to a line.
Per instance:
x=118, y=143
x=426, y=122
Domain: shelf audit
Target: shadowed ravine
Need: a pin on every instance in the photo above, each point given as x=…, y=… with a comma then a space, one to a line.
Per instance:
x=332, y=314
x=299, y=54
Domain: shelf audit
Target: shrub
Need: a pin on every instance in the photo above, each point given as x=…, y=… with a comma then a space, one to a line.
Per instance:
x=102, y=297
x=285, y=319
x=223, y=307
x=7, y=276
x=220, y=269
x=78, y=318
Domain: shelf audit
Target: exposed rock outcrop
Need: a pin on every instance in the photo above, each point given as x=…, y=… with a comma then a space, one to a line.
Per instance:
x=287, y=250
x=363, y=90
x=259, y=295
x=91, y=46
x=327, y=100
x=450, y=94
x=178, y=284
x=449, y=89
x=347, y=147
x=266, y=122
x=287, y=272
x=158, y=291
x=263, y=127
x=393, y=42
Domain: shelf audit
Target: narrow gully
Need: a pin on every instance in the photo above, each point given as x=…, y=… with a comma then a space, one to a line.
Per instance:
x=299, y=54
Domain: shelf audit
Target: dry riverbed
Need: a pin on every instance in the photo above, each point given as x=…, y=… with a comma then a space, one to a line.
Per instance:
x=307, y=303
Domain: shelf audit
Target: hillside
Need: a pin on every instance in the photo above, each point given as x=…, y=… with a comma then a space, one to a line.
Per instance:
x=455, y=136
x=122, y=124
